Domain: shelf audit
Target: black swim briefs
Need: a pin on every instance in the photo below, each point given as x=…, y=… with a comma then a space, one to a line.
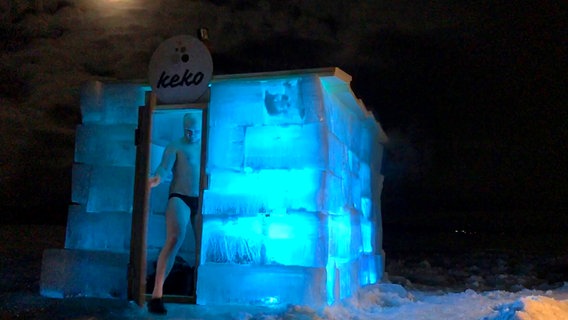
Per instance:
x=191, y=202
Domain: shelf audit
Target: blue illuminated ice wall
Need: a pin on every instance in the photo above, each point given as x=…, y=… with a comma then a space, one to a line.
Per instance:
x=292, y=210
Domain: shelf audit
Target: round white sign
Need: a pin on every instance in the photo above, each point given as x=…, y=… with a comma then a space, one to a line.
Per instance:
x=180, y=70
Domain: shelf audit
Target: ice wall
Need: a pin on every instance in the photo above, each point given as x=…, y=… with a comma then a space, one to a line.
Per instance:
x=94, y=262
x=293, y=195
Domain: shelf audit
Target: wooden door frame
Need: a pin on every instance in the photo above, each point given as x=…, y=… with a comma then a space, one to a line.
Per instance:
x=140, y=212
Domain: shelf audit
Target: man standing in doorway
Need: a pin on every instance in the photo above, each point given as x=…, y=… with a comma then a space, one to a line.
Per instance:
x=182, y=158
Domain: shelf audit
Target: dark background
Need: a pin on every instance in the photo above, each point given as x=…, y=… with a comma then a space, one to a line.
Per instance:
x=472, y=96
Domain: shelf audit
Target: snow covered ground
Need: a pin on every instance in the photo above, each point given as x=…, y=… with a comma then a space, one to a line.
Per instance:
x=428, y=286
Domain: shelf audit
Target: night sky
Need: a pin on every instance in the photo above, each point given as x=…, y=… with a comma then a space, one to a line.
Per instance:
x=472, y=96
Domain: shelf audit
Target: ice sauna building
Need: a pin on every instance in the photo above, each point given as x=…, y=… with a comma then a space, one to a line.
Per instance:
x=292, y=204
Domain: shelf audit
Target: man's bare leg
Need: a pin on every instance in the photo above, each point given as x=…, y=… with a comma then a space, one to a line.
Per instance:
x=177, y=218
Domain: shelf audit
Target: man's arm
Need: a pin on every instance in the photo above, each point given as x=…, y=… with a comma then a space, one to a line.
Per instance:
x=168, y=159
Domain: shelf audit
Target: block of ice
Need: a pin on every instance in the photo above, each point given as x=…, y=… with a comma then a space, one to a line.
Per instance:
x=287, y=100
x=339, y=228
x=365, y=179
x=92, y=104
x=333, y=195
x=356, y=234
x=354, y=135
x=292, y=100
x=82, y=273
x=337, y=155
x=370, y=269
x=232, y=240
x=111, y=189
x=111, y=102
x=341, y=91
x=312, y=98
x=267, y=189
x=343, y=279
x=367, y=235
x=354, y=162
x=219, y=283
x=282, y=239
x=366, y=207
x=296, y=239
x=121, y=102
x=352, y=186
x=236, y=103
x=356, y=196
x=226, y=148
x=108, y=231
x=341, y=121
x=105, y=144
x=81, y=181
x=350, y=127
x=345, y=239
x=332, y=281
x=265, y=181
x=348, y=278
x=293, y=146
x=221, y=203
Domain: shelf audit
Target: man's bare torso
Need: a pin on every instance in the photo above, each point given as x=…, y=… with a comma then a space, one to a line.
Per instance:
x=186, y=168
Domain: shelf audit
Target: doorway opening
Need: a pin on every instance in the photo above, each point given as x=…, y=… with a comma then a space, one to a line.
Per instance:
x=171, y=144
